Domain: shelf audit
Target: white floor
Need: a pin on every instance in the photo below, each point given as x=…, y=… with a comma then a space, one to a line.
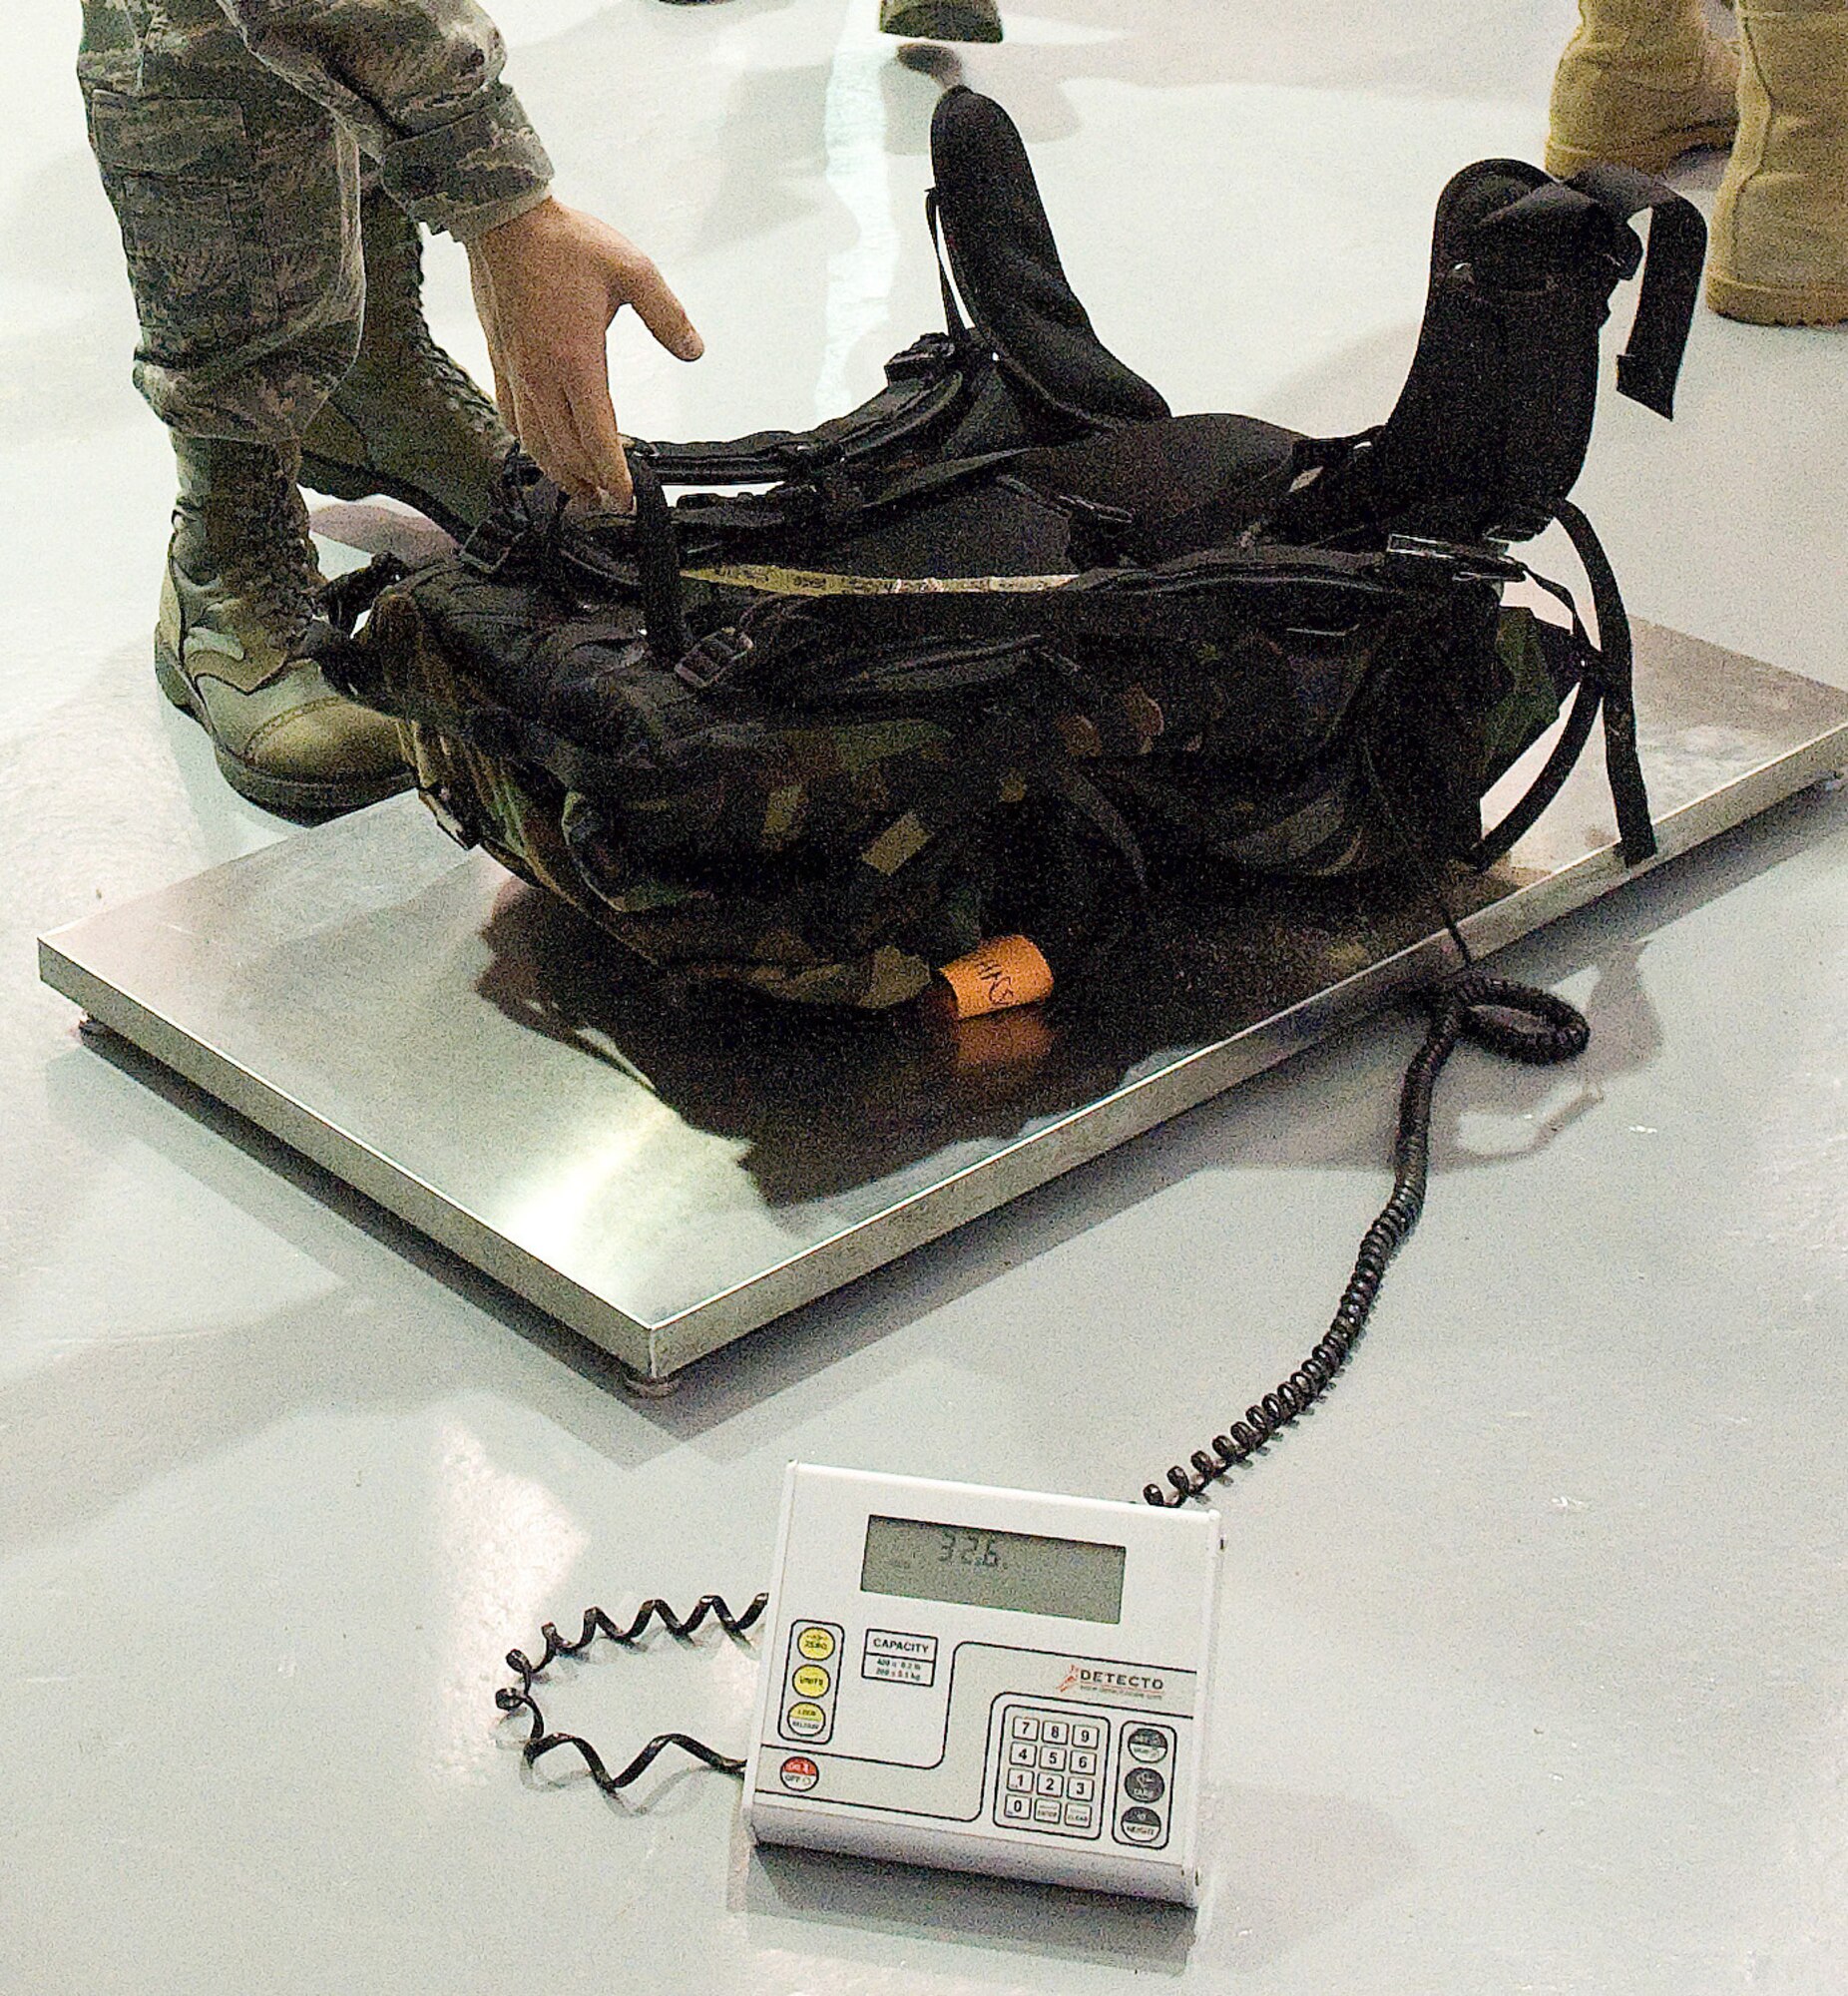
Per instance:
x=1535, y=1641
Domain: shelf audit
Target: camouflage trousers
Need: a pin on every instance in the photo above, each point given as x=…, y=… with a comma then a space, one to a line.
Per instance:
x=238, y=193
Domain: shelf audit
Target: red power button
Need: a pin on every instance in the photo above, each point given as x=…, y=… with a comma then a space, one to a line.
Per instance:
x=800, y=1772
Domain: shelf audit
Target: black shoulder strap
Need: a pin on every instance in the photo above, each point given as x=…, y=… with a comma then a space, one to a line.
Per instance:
x=925, y=385
x=1007, y=268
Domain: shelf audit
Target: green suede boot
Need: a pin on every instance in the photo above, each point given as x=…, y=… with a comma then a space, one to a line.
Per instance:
x=406, y=420
x=942, y=20
x=236, y=599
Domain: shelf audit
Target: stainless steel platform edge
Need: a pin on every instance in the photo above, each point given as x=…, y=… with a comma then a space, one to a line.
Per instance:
x=654, y=1352
x=351, y=1158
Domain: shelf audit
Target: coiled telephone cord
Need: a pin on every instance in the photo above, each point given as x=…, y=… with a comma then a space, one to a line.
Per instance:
x=519, y=1696
x=1520, y=1022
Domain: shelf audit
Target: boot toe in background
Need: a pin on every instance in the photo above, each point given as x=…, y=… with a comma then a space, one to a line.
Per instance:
x=1632, y=114
x=942, y=20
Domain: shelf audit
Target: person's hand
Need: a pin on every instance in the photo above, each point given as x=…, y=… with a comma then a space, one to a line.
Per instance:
x=547, y=284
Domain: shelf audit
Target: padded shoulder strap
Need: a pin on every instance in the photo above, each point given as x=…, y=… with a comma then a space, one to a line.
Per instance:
x=925, y=385
x=1489, y=432
x=1006, y=266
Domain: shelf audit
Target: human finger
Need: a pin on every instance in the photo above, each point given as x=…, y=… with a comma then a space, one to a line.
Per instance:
x=595, y=420
x=661, y=312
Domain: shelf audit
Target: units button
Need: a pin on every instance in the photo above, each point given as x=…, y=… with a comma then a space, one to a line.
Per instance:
x=805, y=1721
x=1143, y=1785
x=1146, y=1742
x=1139, y=1826
x=812, y=1681
x=818, y=1645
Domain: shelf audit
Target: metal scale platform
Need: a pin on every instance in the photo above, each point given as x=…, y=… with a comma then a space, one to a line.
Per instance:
x=474, y=1058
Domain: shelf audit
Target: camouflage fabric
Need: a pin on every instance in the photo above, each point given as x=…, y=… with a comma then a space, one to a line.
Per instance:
x=230, y=139
x=844, y=819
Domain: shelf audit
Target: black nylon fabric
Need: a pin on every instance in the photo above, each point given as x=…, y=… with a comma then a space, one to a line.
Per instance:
x=1007, y=268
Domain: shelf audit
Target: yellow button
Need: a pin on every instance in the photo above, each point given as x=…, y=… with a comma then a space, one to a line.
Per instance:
x=812, y=1681
x=805, y=1721
x=818, y=1645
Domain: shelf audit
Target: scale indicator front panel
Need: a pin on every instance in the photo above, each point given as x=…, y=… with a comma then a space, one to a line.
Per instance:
x=987, y=1680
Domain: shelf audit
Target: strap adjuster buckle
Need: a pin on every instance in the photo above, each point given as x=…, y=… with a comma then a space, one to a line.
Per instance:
x=714, y=658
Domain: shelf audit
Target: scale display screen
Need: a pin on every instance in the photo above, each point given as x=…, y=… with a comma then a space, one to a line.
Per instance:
x=981, y=1569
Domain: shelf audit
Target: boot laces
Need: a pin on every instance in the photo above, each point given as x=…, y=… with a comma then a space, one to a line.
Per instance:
x=273, y=564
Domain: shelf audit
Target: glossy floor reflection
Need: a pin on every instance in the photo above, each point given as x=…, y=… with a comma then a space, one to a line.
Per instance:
x=1532, y=1665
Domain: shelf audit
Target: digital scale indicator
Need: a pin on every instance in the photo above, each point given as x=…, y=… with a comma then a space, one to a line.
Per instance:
x=987, y=1680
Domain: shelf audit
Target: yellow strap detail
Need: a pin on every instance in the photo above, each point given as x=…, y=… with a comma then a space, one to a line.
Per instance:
x=769, y=580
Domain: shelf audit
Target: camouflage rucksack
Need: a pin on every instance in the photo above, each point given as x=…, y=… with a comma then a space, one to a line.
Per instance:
x=1010, y=649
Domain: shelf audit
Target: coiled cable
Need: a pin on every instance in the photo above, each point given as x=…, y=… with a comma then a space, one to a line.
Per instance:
x=1518, y=1021
x=519, y=1696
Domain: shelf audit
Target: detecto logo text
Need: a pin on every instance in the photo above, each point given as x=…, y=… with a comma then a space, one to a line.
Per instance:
x=1096, y=1680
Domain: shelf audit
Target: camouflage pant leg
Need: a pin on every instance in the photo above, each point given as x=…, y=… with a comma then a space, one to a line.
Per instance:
x=239, y=202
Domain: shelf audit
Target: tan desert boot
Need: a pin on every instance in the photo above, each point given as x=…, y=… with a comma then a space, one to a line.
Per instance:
x=406, y=420
x=1779, y=254
x=1641, y=83
x=237, y=597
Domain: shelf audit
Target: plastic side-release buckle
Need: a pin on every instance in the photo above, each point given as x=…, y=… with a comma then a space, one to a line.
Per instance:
x=931, y=354
x=1421, y=561
x=712, y=658
x=805, y=455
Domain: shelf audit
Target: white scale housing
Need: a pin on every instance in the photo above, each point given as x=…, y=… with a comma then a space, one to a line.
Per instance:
x=987, y=1680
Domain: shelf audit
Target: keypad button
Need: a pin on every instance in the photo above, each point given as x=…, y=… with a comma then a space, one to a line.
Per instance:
x=1054, y=1757
x=1143, y=1785
x=1025, y=1725
x=1079, y=1815
x=1049, y=1784
x=1083, y=1762
x=1016, y=1809
x=1139, y=1826
x=818, y=1645
x=1079, y=1789
x=812, y=1681
x=1146, y=1742
x=1048, y=1810
x=1054, y=1732
x=1022, y=1753
x=1020, y=1781
x=1086, y=1733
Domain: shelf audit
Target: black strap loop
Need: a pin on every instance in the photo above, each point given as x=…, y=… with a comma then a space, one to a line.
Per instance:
x=1648, y=366
x=1616, y=668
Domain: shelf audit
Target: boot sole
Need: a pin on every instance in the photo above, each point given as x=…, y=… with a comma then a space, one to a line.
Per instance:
x=1777, y=304
x=351, y=481
x=288, y=796
x=1654, y=155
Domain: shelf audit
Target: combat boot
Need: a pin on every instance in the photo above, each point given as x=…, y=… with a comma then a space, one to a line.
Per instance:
x=406, y=420
x=1781, y=221
x=942, y=20
x=236, y=601
x=1641, y=83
